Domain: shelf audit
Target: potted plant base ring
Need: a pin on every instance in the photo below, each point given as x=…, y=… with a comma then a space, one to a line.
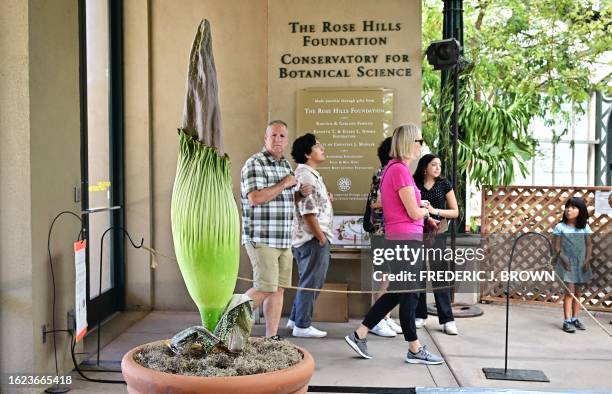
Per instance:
x=141, y=380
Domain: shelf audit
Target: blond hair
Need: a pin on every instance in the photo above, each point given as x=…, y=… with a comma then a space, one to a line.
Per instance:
x=403, y=141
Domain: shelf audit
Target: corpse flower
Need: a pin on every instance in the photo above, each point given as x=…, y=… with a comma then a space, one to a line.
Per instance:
x=204, y=215
x=218, y=356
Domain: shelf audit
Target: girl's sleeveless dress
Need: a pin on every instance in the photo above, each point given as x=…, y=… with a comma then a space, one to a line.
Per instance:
x=573, y=245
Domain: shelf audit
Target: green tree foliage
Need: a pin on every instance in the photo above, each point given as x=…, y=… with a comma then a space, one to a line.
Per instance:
x=526, y=58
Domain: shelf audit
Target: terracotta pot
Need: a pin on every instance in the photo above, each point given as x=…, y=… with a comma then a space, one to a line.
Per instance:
x=141, y=380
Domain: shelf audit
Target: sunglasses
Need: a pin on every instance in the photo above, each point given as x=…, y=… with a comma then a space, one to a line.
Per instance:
x=419, y=141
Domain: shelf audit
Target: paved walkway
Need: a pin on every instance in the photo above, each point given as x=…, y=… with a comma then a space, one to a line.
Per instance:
x=580, y=361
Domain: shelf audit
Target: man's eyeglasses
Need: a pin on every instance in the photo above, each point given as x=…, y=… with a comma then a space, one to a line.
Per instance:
x=419, y=141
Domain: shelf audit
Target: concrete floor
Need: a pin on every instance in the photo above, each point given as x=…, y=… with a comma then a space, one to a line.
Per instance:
x=573, y=362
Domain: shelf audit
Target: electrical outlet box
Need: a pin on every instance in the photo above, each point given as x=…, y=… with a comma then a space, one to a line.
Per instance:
x=71, y=320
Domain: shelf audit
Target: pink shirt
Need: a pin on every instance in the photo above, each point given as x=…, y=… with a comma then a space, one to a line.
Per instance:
x=397, y=222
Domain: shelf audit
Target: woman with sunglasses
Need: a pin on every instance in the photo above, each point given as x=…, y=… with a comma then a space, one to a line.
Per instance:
x=403, y=221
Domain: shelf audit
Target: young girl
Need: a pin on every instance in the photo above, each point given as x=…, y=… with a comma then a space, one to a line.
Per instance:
x=573, y=241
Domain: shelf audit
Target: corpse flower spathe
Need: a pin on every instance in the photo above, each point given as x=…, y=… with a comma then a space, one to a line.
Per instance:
x=204, y=215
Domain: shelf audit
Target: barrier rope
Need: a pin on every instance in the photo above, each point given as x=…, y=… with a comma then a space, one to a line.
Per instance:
x=155, y=254
x=549, y=264
x=154, y=265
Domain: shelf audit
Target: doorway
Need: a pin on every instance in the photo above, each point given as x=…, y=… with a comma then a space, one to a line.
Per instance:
x=102, y=149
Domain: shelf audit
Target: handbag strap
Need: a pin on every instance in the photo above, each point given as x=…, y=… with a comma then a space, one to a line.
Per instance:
x=382, y=176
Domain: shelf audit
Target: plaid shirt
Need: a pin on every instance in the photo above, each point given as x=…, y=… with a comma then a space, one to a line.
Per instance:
x=268, y=223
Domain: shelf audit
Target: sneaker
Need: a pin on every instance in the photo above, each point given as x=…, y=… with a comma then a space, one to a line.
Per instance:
x=275, y=338
x=450, y=328
x=309, y=332
x=393, y=325
x=578, y=324
x=419, y=323
x=568, y=327
x=382, y=330
x=358, y=345
x=290, y=324
x=423, y=357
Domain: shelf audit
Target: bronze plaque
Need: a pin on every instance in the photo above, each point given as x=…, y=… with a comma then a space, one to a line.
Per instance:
x=350, y=123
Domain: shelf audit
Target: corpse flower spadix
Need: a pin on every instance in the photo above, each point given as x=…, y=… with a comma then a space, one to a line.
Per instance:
x=205, y=222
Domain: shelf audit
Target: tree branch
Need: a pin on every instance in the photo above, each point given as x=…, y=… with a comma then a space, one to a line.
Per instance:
x=482, y=5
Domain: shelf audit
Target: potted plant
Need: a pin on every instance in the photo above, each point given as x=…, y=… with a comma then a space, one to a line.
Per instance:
x=219, y=356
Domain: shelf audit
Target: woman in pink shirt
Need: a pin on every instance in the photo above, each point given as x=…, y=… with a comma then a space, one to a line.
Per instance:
x=403, y=221
x=400, y=197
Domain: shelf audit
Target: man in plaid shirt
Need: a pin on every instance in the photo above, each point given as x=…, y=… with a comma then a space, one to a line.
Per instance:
x=268, y=191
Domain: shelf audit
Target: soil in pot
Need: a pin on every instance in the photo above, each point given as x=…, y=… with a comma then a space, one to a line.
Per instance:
x=260, y=355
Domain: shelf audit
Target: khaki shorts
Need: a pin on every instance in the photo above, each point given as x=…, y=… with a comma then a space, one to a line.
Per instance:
x=271, y=266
